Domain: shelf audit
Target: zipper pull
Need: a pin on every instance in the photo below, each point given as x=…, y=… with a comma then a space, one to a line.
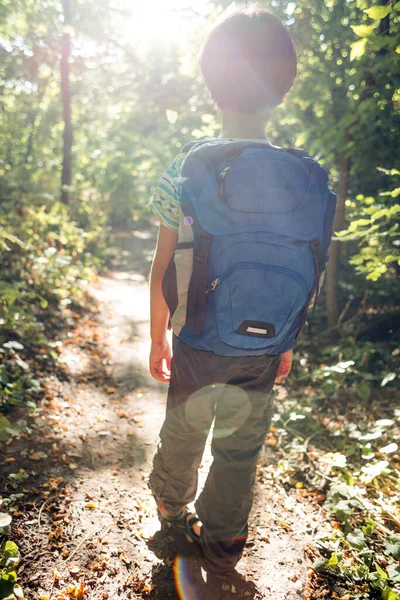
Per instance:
x=221, y=183
x=213, y=285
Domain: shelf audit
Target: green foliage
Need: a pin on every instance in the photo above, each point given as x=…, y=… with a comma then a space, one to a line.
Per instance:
x=359, y=551
x=9, y=561
x=375, y=225
x=44, y=269
x=354, y=461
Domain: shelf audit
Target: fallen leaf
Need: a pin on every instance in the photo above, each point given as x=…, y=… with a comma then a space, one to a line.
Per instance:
x=37, y=456
x=90, y=505
x=74, y=569
x=271, y=441
x=76, y=592
x=110, y=390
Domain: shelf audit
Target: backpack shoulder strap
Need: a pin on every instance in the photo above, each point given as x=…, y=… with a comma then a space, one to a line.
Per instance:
x=299, y=152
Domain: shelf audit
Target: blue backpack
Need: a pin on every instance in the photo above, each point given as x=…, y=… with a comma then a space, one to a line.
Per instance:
x=255, y=227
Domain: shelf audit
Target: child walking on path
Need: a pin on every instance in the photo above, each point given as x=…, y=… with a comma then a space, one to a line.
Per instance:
x=245, y=228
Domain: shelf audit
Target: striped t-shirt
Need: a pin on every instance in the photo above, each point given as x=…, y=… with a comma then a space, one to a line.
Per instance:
x=165, y=202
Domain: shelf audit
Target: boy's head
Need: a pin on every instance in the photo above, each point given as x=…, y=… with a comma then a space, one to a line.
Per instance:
x=248, y=61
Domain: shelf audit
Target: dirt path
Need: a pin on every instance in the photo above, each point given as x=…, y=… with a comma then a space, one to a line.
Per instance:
x=91, y=528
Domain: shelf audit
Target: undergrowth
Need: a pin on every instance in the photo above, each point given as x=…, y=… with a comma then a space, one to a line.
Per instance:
x=337, y=431
x=48, y=255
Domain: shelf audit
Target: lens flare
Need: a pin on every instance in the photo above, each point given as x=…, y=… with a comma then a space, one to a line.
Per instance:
x=229, y=405
x=185, y=587
x=188, y=221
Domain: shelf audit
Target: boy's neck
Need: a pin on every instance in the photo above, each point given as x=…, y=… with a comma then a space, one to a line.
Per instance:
x=242, y=125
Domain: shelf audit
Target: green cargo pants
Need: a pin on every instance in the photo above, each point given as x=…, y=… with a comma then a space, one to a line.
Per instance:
x=236, y=392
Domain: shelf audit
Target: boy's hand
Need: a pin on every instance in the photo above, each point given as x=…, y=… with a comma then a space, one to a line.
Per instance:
x=285, y=365
x=160, y=361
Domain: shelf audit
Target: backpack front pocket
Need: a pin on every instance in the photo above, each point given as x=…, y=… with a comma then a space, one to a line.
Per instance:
x=256, y=304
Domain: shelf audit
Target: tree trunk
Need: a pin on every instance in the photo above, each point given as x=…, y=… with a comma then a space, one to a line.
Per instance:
x=332, y=275
x=66, y=176
x=332, y=272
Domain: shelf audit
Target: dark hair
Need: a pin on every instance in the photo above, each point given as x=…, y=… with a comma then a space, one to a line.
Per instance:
x=248, y=60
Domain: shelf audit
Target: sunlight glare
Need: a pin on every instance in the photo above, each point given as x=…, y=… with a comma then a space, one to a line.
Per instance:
x=168, y=21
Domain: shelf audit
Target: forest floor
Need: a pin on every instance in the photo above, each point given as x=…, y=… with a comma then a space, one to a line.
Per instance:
x=87, y=525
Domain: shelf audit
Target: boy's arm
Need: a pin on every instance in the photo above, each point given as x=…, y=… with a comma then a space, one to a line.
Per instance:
x=160, y=353
x=285, y=365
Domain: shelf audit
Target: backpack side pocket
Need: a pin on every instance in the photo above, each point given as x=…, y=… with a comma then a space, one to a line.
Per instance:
x=169, y=288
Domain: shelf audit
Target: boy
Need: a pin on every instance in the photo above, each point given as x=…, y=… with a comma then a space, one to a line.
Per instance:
x=249, y=64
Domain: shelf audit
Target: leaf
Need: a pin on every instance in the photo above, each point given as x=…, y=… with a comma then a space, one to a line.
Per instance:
x=363, y=30
x=9, y=554
x=333, y=561
x=14, y=345
x=373, y=470
x=336, y=459
x=382, y=573
x=319, y=564
x=301, y=139
x=77, y=592
x=285, y=525
x=384, y=422
x=394, y=573
x=358, y=49
x=4, y=423
x=363, y=391
x=389, y=594
x=342, y=511
x=18, y=592
x=9, y=576
x=5, y=522
x=396, y=6
x=378, y=12
x=20, y=476
x=4, y=435
x=171, y=115
x=37, y=456
x=369, y=527
x=392, y=546
x=389, y=449
x=356, y=539
x=389, y=377
x=374, y=435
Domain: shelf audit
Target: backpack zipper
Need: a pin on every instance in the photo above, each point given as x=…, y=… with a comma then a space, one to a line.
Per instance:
x=211, y=287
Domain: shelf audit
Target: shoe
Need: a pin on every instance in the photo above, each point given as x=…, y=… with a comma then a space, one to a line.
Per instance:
x=224, y=585
x=189, y=523
x=176, y=522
